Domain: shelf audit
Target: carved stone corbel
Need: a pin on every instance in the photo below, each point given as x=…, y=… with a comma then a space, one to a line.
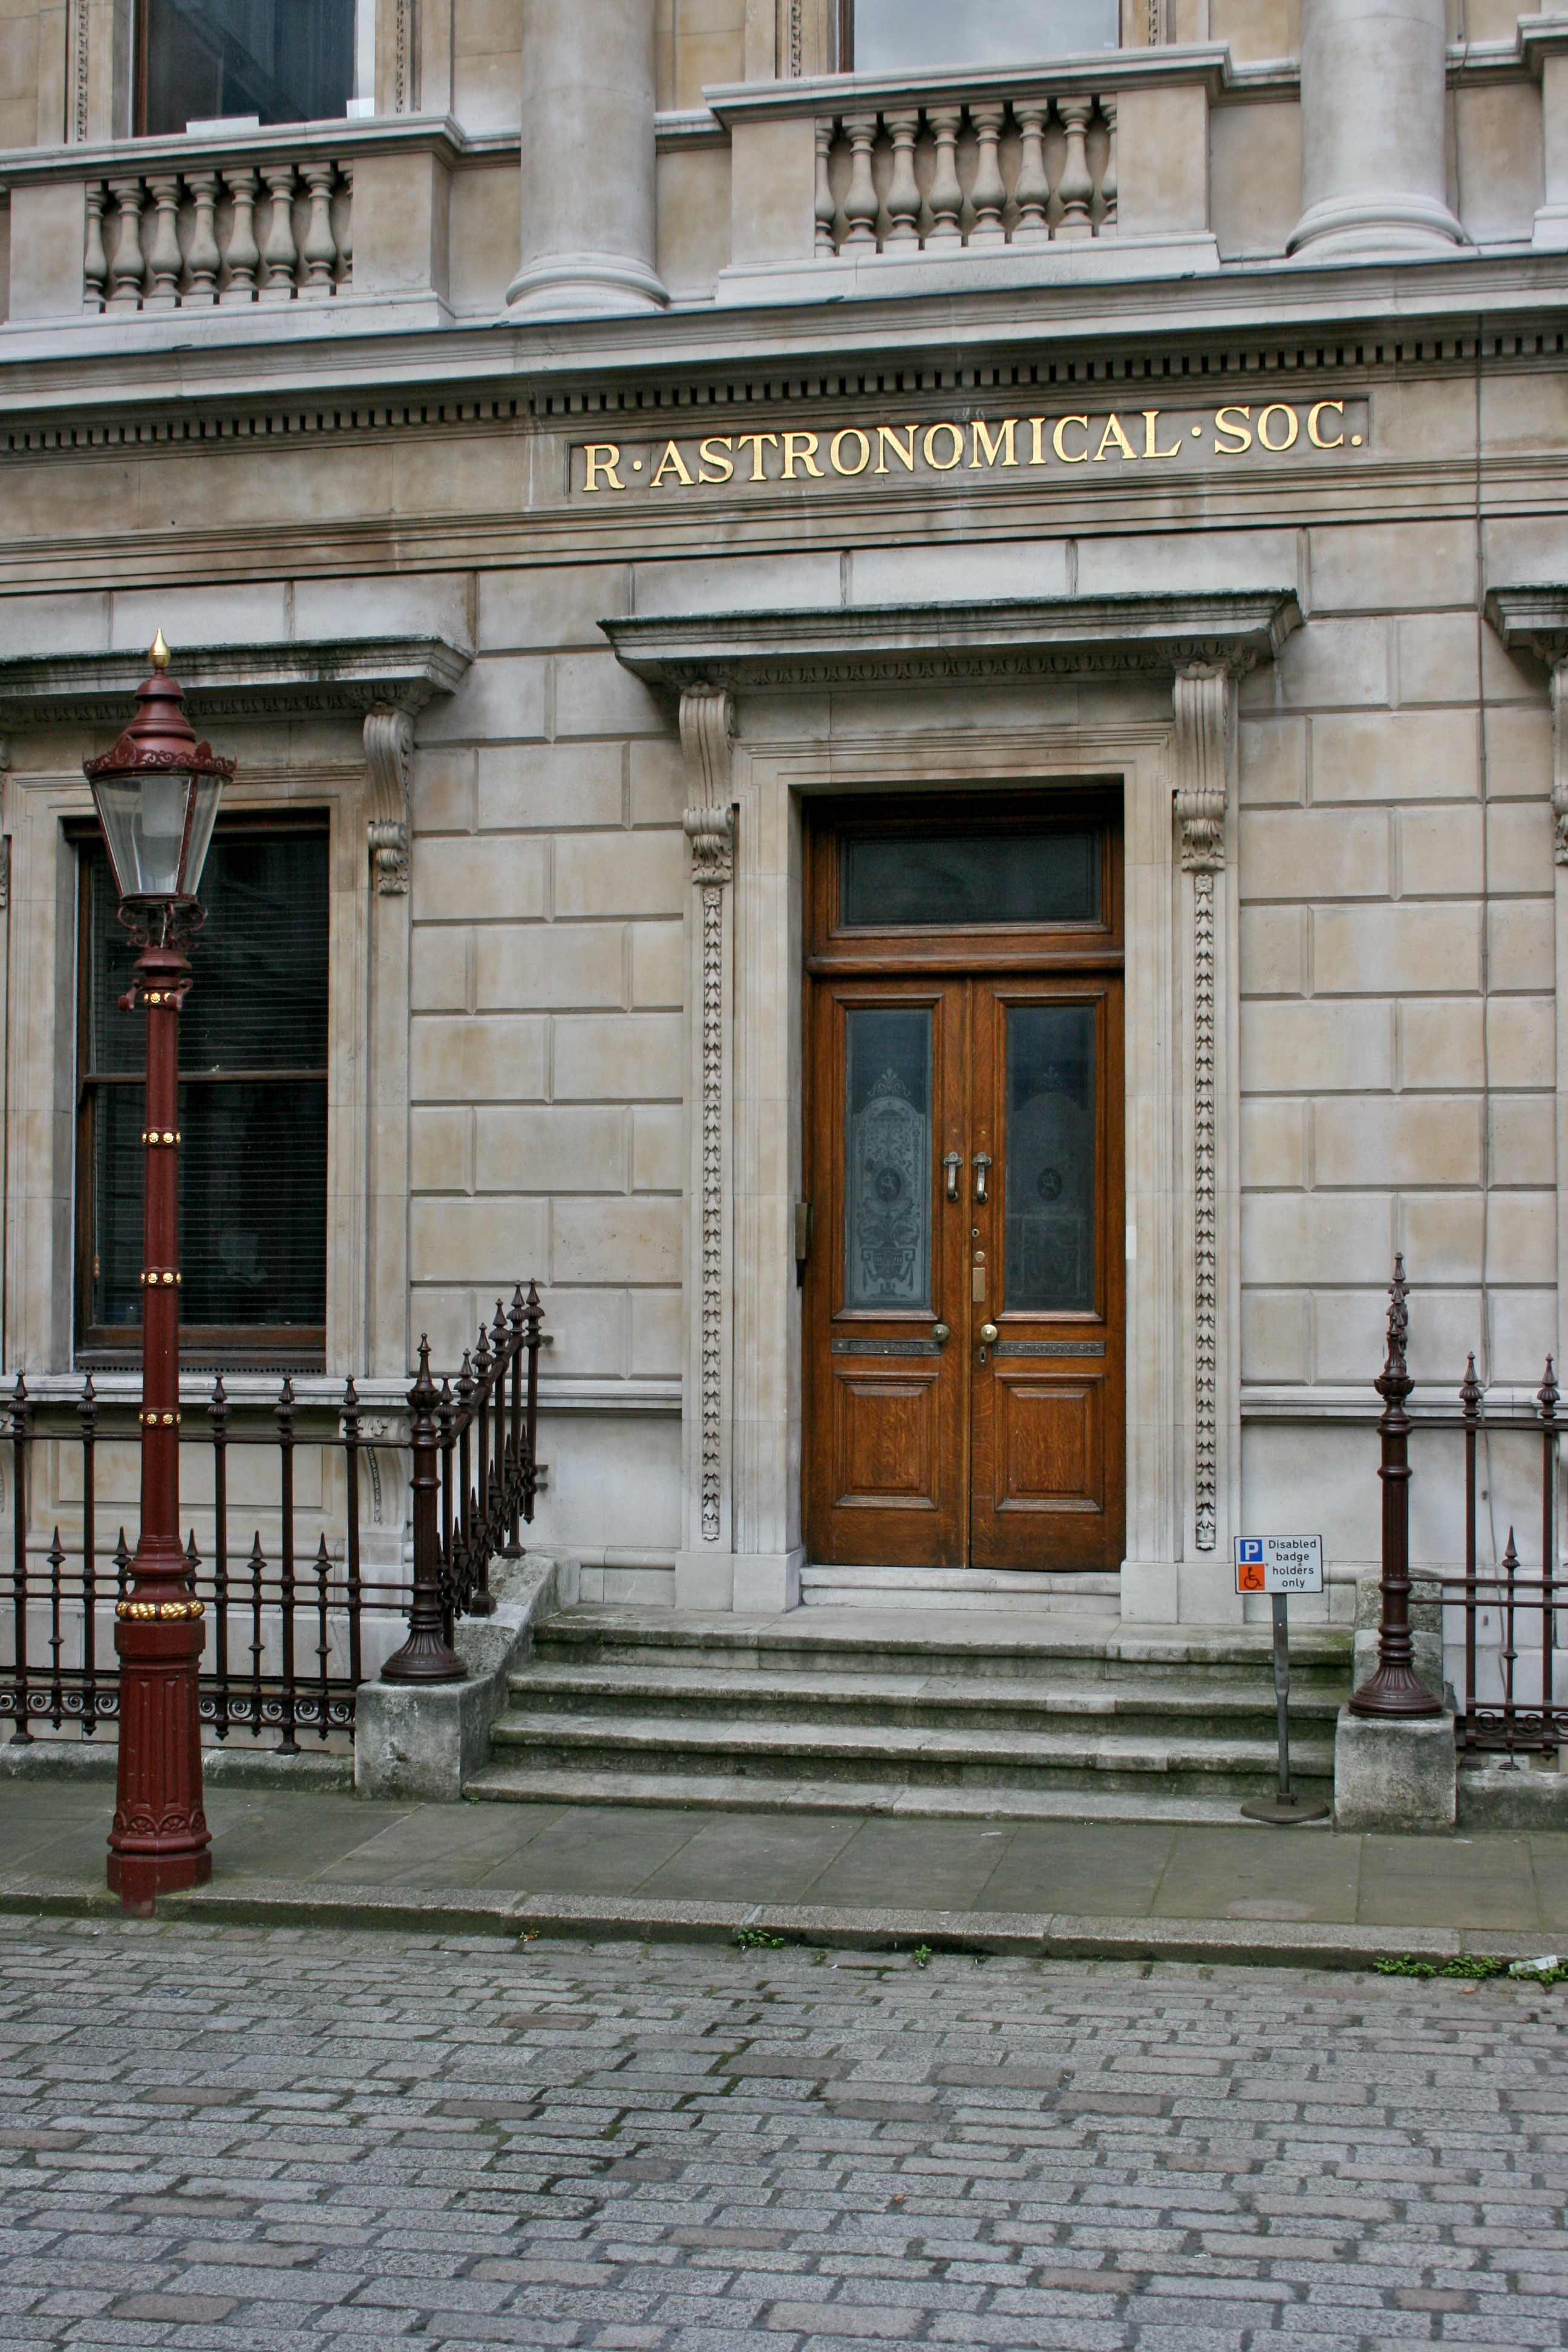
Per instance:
x=389, y=756
x=1559, y=760
x=1204, y=693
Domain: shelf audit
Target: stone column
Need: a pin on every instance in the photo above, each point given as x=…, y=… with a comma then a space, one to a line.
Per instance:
x=588, y=213
x=1373, y=131
x=705, y=1567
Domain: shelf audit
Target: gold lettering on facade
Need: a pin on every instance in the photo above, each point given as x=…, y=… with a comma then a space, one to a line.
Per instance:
x=800, y=448
x=835, y=449
x=888, y=437
x=1078, y=456
x=981, y=439
x=1324, y=408
x=1188, y=439
x=601, y=457
x=1292, y=427
x=672, y=462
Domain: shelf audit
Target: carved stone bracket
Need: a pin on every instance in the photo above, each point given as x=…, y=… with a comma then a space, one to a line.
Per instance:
x=389, y=756
x=1560, y=761
x=1535, y=620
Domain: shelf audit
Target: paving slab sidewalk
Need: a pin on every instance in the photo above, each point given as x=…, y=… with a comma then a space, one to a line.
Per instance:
x=1110, y=1888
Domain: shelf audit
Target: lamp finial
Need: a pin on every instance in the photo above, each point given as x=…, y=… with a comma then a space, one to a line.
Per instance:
x=160, y=653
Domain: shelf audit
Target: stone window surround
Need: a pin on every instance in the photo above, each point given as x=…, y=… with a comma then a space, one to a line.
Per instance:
x=98, y=62
x=379, y=683
x=742, y=1412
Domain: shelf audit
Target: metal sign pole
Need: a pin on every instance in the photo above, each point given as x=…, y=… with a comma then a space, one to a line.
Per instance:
x=1281, y=1565
x=1284, y=1807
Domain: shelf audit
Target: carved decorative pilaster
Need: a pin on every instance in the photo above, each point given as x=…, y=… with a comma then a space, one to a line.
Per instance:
x=403, y=60
x=1202, y=702
x=389, y=756
x=707, y=724
x=1559, y=760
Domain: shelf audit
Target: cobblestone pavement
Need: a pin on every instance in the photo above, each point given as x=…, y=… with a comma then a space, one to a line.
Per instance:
x=219, y=2140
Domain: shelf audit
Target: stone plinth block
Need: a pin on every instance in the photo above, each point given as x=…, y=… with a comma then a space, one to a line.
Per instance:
x=422, y=1741
x=1391, y=1775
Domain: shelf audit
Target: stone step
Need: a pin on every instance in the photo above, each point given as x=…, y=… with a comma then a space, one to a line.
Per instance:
x=509, y=1779
x=968, y=1645
x=991, y=1590
x=748, y=1747
x=1127, y=1705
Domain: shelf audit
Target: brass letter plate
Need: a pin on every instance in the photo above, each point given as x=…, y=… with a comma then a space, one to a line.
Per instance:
x=885, y=1348
x=1050, y=1346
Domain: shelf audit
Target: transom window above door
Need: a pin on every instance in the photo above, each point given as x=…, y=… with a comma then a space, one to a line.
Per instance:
x=907, y=37
x=276, y=60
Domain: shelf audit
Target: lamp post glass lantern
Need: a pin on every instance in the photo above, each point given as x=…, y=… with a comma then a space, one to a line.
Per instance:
x=157, y=795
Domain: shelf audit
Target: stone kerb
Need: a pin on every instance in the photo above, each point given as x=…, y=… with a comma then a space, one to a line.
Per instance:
x=423, y=1741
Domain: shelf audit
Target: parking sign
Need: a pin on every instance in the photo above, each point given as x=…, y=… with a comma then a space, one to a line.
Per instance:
x=1279, y=1564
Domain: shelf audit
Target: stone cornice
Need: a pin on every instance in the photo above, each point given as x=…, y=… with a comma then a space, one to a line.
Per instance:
x=343, y=141
x=1534, y=617
x=320, y=677
x=894, y=644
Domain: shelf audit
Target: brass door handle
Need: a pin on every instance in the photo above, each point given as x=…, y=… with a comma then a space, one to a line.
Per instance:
x=953, y=1161
x=989, y=1333
x=982, y=1168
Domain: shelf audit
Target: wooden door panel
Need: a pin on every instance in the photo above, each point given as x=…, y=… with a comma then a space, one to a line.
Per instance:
x=1050, y=1452
x=885, y=1442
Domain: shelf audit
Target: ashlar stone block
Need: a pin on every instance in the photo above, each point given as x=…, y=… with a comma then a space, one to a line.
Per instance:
x=620, y=873
x=1273, y=950
x=632, y=1057
x=657, y=1147
x=657, y=1334
x=1392, y=567
x=550, y=604
x=1439, y=851
x=1315, y=854
x=1521, y=1041
x=1348, y=1328
x=1522, y=946
x=470, y=1059
x=479, y=880
x=441, y=1149
x=1273, y=1142
x=1440, y=1042
x=1376, y=756
x=657, y=963
x=494, y=1243
x=1395, y=951
x=1309, y=1046
x=1316, y=1237
x=1272, y=762
x=551, y=965
x=1521, y=1237
x=1429, y=1139
x=1519, y=844
x=1399, y=1776
x=549, y=1148
x=1524, y=1139
x=1443, y=1234
x=438, y=970
x=624, y=1241
x=554, y=786
x=1274, y=1329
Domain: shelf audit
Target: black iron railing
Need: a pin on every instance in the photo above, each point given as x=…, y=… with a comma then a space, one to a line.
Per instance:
x=287, y=1618
x=1511, y=1718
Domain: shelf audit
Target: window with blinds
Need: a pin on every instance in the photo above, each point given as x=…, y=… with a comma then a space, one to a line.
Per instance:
x=253, y=1109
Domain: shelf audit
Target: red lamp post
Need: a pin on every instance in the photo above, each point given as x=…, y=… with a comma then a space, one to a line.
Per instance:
x=157, y=794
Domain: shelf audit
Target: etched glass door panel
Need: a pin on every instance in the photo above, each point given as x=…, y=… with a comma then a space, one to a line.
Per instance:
x=1049, y=1241
x=1037, y=875
x=887, y=1187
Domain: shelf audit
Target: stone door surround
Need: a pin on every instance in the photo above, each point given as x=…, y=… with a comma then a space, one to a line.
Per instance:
x=773, y=705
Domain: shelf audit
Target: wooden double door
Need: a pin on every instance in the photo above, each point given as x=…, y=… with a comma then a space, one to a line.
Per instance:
x=965, y=1284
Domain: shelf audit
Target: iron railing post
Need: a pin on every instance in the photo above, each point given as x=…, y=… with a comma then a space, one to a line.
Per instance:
x=1470, y=1393
x=1546, y=1397
x=425, y=1656
x=19, y=1408
x=1396, y=1691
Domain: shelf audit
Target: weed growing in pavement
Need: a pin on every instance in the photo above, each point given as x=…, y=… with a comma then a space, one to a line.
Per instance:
x=752, y=1940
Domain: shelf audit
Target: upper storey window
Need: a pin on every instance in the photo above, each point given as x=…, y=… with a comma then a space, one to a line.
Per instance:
x=910, y=35
x=280, y=60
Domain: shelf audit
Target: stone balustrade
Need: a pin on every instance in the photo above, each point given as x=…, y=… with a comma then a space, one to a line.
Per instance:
x=231, y=230
x=945, y=173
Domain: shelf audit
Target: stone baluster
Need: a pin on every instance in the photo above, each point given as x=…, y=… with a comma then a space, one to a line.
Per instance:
x=1076, y=186
x=321, y=247
x=946, y=195
x=826, y=210
x=1108, y=177
x=129, y=267
x=860, y=206
x=204, y=260
x=95, y=260
x=989, y=193
x=164, y=261
x=588, y=193
x=242, y=257
x=1373, y=130
x=903, y=188
x=279, y=255
x=1033, y=192
x=345, y=232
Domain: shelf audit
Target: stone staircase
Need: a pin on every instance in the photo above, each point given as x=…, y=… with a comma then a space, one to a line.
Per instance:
x=1004, y=1715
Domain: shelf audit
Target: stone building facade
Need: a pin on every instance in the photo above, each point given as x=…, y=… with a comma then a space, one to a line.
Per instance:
x=635, y=452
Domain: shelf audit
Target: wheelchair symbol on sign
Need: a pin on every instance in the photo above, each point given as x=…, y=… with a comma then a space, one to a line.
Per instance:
x=1250, y=1576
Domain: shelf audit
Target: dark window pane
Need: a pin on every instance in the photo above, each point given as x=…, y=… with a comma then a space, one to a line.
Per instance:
x=253, y=1161
x=1050, y=1207
x=1028, y=876
x=886, y=1189
x=282, y=61
x=904, y=35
